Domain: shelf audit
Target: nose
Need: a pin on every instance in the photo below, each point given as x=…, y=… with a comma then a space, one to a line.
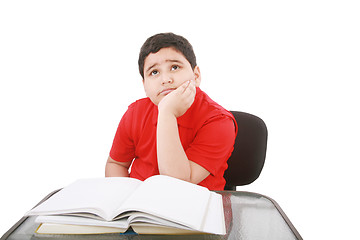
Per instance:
x=166, y=79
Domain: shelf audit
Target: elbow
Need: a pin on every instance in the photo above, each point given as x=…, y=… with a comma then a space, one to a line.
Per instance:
x=116, y=169
x=182, y=175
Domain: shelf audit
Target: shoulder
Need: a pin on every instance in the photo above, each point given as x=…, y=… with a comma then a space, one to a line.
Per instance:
x=204, y=111
x=211, y=109
x=140, y=107
x=140, y=103
x=140, y=113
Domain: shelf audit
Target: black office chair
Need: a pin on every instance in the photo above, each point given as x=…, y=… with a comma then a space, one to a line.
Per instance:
x=247, y=160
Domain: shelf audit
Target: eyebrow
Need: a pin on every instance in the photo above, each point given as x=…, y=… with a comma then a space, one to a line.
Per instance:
x=168, y=60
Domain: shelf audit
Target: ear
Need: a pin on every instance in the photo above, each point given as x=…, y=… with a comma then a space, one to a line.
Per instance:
x=197, y=76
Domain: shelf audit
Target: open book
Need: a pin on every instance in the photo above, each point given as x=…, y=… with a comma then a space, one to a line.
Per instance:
x=158, y=205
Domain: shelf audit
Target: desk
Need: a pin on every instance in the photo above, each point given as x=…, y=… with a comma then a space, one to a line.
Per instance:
x=247, y=215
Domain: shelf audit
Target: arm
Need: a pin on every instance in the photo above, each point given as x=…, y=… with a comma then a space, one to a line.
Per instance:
x=116, y=169
x=122, y=148
x=172, y=159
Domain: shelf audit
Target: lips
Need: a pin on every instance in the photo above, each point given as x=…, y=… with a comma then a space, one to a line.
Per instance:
x=166, y=91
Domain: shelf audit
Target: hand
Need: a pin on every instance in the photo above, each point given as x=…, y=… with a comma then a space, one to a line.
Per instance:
x=180, y=100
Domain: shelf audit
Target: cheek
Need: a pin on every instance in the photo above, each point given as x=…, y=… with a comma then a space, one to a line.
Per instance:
x=151, y=93
x=185, y=77
x=147, y=88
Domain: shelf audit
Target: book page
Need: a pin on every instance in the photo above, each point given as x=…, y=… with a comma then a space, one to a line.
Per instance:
x=71, y=220
x=214, y=220
x=170, y=198
x=54, y=228
x=162, y=230
x=146, y=219
x=99, y=196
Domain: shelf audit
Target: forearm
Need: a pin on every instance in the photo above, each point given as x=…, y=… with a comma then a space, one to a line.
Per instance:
x=172, y=160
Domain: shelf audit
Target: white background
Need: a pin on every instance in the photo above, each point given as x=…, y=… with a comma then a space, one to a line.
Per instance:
x=68, y=71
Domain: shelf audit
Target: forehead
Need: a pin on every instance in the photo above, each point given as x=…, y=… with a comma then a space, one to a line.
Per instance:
x=164, y=55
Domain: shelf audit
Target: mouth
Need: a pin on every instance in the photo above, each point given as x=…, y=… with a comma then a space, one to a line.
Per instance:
x=166, y=91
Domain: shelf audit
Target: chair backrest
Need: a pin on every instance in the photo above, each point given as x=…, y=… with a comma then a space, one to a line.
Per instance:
x=247, y=160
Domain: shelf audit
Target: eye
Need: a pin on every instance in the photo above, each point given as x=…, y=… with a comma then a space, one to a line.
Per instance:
x=154, y=72
x=175, y=67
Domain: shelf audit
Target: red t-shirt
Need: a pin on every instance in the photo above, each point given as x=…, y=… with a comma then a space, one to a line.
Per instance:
x=207, y=133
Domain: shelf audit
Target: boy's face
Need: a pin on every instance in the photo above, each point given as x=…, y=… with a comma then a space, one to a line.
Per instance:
x=165, y=71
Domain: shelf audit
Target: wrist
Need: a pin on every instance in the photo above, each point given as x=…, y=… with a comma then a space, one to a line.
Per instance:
x=166, y=115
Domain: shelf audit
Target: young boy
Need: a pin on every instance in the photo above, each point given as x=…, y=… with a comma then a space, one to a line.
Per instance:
x=177, y=130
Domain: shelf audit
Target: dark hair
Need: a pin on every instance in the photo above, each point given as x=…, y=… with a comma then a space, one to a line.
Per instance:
x=163, y=40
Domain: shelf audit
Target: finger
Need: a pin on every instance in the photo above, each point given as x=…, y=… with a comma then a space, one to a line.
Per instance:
x=188, y=87
x=182, y=88
x=190, y=92
x=191, y=87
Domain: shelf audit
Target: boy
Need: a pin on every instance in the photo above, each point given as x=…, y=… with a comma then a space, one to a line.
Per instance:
x=177, y=130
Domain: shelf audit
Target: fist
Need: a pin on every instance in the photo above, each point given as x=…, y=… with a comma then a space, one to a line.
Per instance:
x=180, y=100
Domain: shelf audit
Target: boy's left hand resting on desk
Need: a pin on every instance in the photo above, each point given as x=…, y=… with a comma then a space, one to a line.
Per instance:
x=172, y=159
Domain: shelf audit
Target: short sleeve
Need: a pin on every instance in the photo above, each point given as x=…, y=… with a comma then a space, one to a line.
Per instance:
x=123, y=148
x=213, y=144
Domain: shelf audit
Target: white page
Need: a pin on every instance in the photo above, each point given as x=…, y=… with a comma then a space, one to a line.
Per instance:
x=143, y=218
x=100, y=196
x=172, y=199
x=81, y=221
x=54, y=228
x=215, y=221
